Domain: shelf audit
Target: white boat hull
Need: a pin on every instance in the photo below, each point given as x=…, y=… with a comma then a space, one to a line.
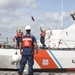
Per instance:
x=45, y=59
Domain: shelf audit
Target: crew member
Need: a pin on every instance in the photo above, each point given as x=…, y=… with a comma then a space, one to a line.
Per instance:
x=42, y=36
x=27, y=46
x=19, y=35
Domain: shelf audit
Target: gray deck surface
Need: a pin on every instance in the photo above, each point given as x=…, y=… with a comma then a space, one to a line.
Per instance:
x=36, y=73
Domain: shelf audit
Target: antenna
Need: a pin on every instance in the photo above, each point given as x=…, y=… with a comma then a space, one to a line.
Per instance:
x=62, y=14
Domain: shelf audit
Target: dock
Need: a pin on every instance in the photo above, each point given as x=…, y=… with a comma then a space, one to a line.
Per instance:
x=36, y=73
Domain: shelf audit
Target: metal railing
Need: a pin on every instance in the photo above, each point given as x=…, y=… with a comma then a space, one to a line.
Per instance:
x=7, y=42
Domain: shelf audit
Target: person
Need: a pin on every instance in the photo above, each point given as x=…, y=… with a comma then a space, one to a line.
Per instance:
x=19, y=35
x=42, y=36
x=27, y=47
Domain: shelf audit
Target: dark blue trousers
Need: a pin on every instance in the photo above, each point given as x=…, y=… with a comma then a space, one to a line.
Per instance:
x=42, y=40
x=23, y=61
x=18, y=41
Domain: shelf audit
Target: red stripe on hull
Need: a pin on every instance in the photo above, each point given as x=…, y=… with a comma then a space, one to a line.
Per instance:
x=44, y=60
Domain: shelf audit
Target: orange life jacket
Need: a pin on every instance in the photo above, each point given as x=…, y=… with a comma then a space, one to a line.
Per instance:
x=27, y=41
x=42, y=34
x=19, y=34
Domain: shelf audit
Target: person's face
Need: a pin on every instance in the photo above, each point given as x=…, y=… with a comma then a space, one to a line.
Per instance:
x=19, y=30
x=44, y=30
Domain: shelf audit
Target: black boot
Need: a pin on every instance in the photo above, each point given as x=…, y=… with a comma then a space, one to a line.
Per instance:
x=19, y=73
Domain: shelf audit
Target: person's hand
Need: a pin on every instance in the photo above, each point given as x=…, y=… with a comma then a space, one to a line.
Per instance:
x=21, y=52
x=40, y=27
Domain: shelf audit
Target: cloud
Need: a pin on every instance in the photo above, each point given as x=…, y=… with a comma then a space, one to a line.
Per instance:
x=14, y=14
x=17, y=4
x=54, y=16
x=54, y=20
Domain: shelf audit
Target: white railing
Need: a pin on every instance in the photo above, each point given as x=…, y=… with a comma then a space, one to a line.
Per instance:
x=59, y=43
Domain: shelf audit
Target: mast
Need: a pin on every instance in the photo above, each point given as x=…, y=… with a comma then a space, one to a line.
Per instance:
x=62, y=14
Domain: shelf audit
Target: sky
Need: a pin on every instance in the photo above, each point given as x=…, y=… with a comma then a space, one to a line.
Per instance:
x=47, y=13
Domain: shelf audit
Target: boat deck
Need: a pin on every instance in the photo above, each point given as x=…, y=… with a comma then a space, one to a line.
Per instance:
x=36, y=73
